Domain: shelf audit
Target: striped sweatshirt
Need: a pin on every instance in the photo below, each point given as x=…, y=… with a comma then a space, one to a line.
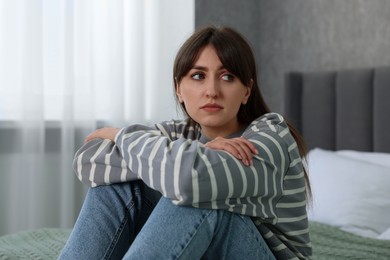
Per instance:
x=171, y=158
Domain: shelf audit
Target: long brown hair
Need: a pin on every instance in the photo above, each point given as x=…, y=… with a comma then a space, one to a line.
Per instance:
x=237, y=57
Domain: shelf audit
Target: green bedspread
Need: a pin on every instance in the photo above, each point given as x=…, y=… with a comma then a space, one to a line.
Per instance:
x=328, y=243
x=37, y=244
x=333, y=243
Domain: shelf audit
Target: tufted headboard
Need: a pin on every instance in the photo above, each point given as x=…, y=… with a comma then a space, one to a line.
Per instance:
x=336, y=110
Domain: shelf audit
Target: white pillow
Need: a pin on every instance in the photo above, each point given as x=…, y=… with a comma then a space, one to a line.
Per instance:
x=348, y=193
x=385, y=235
x=370, y=157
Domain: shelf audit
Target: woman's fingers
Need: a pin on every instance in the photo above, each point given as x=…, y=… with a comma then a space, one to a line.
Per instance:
x=103, y=133
x=245, y=148
x=240, y=148
x=250, y=145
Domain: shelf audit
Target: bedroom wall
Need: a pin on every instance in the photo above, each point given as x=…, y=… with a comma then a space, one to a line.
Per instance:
x=304, y=35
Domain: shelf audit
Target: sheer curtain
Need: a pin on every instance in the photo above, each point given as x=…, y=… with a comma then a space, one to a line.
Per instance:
x=67, y=67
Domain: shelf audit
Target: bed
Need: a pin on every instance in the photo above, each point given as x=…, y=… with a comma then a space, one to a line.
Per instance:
x=42, y=244
x=343, y=117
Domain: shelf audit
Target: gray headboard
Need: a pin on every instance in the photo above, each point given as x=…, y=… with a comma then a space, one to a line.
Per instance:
x=336, y=110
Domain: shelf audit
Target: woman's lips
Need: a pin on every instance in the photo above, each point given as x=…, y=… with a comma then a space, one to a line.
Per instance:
x=212, y=107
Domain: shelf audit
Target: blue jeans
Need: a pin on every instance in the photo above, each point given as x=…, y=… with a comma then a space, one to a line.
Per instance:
x=110, y=222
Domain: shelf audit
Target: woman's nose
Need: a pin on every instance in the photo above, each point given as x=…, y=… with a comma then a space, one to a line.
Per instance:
x=212, y=89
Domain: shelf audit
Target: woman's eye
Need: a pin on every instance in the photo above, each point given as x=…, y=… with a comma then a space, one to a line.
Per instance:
x=197, y=76
x=228, y=77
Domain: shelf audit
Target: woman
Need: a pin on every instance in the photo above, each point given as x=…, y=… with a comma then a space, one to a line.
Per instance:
x=231, y=176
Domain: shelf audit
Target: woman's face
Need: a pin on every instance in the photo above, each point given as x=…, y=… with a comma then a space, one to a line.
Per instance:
x=212, y=95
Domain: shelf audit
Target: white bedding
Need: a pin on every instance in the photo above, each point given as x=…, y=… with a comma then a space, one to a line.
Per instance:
x=351, y=191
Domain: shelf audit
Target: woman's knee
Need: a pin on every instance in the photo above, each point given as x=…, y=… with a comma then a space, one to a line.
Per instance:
x=236, y=236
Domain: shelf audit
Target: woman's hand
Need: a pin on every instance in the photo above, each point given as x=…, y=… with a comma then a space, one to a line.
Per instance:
x=239, y=147
x=103, y=133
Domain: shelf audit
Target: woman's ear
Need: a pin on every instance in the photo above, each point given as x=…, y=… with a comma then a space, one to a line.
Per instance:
x=248, y=92
x=178, y=91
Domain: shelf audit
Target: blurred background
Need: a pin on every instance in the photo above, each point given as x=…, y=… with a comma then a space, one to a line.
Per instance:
x=70, y=66
x=66, y=68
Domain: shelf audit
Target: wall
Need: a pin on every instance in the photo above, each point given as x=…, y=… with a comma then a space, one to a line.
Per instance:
x=305, y=35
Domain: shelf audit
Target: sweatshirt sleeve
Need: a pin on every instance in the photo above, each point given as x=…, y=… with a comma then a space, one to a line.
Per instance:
x=100, y=162
x=189, y=173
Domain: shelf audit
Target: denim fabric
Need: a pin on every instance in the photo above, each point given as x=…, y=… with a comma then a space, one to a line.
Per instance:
x=174, y=232
x=110, y=222
x=110, y=219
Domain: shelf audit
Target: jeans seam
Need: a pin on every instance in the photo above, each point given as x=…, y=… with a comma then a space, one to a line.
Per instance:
x=115, y=239
x=202, y=220
x=148, y=203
